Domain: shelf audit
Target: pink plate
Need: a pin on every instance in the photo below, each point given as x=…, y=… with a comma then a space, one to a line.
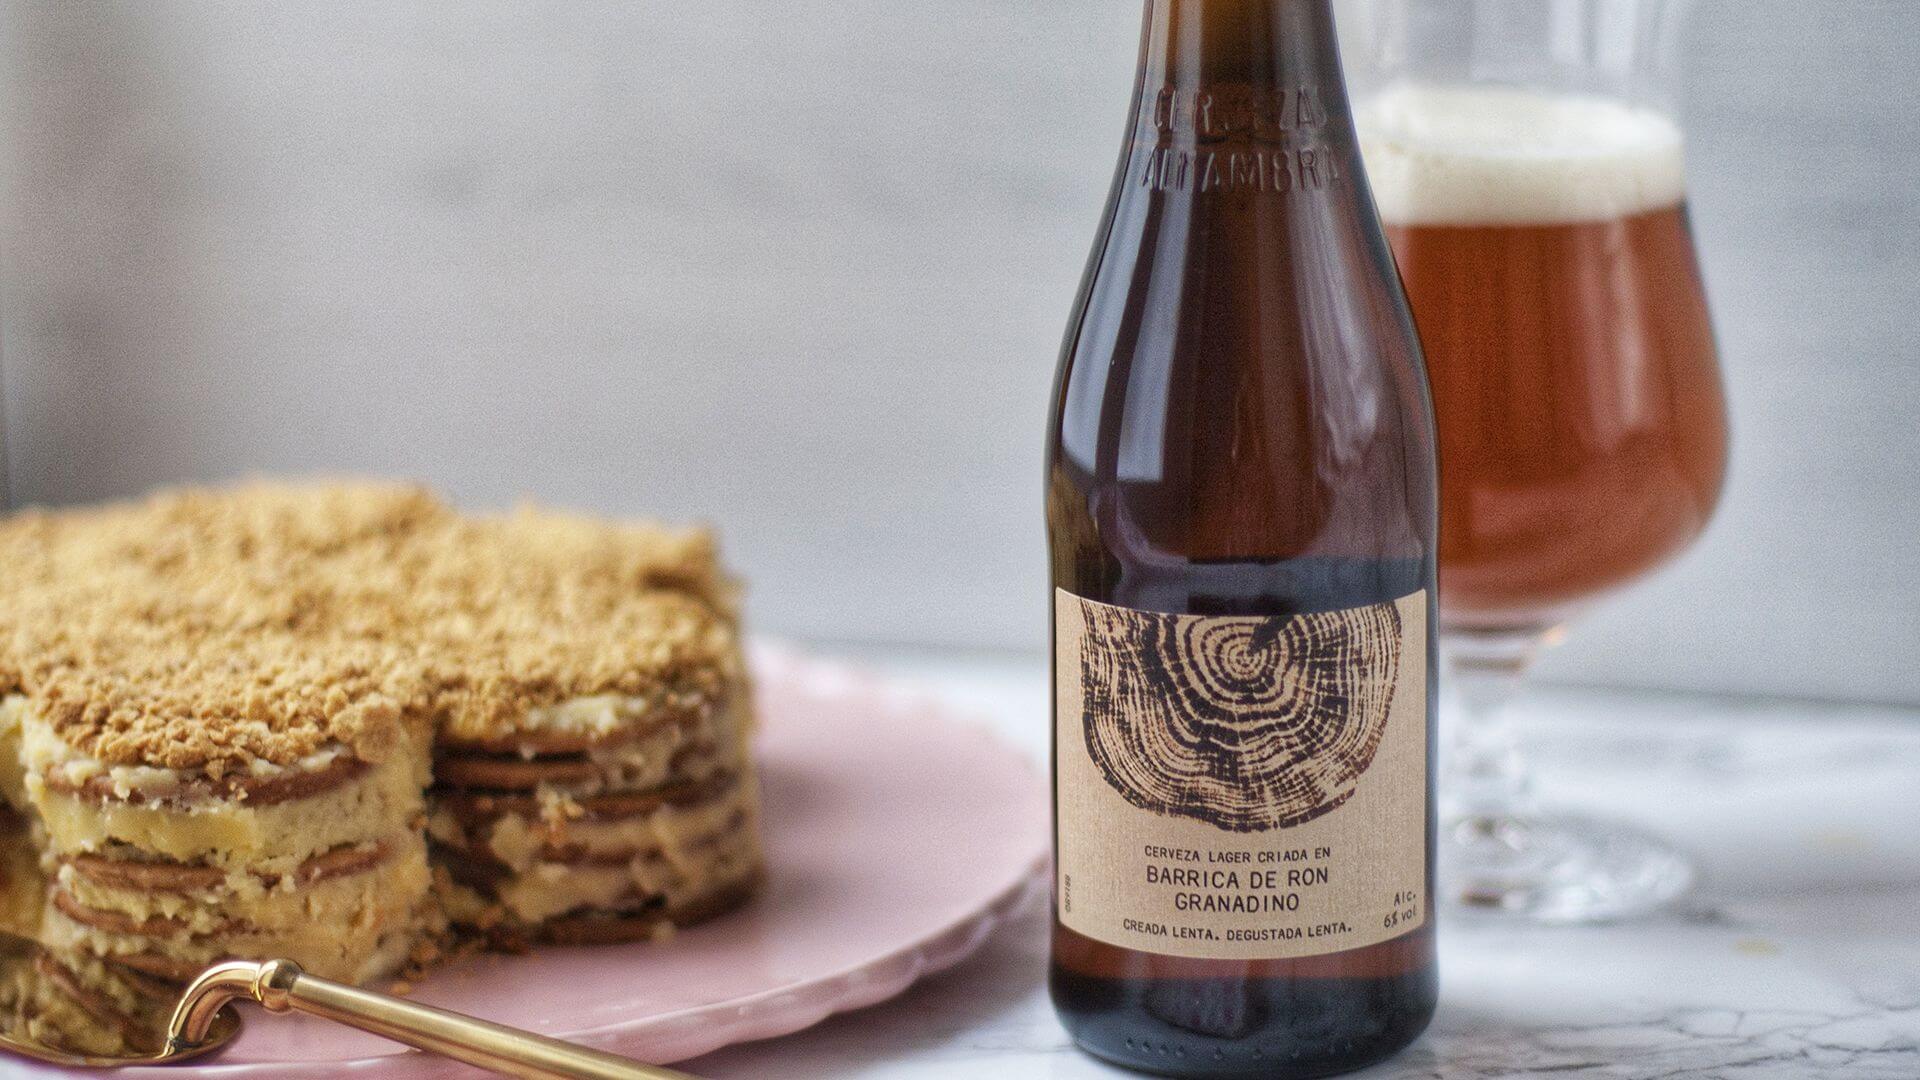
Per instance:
x=898, y=836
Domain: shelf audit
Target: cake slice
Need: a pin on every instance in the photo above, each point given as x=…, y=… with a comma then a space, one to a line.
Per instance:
x=207, y=801
x=220, y=758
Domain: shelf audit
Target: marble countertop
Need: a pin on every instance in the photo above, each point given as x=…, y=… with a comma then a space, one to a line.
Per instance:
x=1798, y=958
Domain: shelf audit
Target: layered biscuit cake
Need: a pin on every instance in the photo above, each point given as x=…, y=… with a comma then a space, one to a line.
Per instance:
x=327, y=722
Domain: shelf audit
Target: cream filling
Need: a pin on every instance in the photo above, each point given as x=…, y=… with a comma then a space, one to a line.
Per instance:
x=603, y=716
x=272, y=839
x=671, y=832
x=550, y=890
x=658, y=758
x=394, y=885
x=646, y=763
x=237, y=882
x=607, y=716
x=353, y=947
x=46, y=754
x=45, y=1013
x=677, y=854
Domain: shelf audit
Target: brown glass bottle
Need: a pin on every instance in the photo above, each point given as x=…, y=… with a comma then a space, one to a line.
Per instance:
x=1241, y=427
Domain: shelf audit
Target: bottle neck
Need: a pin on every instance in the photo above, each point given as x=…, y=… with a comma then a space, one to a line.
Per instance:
x=1253, y=70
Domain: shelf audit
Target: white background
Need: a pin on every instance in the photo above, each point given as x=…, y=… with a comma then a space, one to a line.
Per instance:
x=801, y=269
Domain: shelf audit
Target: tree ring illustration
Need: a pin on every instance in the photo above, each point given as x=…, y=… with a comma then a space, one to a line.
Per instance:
x=1247, y=724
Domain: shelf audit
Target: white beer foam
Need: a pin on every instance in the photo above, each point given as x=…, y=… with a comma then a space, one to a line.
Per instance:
x=1442, y=155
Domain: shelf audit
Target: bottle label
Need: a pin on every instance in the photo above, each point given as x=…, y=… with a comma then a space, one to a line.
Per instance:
x=1241, y=788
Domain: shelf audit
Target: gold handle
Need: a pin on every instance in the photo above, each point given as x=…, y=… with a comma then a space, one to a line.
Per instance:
x=280, y=986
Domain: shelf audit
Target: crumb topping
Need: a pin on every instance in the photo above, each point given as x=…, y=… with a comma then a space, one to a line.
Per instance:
x=215, y=629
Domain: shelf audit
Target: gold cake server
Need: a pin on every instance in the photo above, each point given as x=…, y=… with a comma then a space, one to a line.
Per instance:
x=68, y=1008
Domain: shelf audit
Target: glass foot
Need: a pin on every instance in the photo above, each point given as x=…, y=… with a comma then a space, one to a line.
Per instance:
x=1558, y=869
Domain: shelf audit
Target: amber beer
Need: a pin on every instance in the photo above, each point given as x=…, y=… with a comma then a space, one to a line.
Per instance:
x=1242, y=519
x=1545, y=247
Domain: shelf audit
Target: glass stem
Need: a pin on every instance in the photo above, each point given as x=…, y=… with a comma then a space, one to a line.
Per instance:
x=1486, y=778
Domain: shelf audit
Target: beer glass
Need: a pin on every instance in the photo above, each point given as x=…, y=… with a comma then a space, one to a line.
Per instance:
x=1528, y=166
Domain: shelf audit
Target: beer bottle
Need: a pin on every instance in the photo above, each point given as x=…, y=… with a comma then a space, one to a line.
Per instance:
x=1241, y=514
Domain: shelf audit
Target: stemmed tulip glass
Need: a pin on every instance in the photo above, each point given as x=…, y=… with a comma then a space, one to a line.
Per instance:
x=1527, y=160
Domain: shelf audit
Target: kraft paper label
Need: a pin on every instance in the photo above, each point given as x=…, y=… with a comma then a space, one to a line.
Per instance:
x=1241, y=788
